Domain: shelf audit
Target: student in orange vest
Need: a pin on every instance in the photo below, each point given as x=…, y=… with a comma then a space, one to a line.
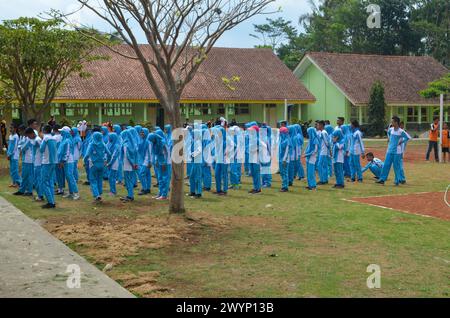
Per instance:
x=445, y=141
x=433, y=143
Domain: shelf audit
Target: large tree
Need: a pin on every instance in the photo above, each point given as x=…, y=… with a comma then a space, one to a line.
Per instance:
x=36, y=57
x=181, y=33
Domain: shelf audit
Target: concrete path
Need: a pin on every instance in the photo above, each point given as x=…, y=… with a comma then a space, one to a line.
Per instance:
x=33, y=263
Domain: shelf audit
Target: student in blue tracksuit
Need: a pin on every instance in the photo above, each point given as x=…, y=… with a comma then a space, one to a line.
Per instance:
x=161, y=150
x=401, y=150
x=187, y=146
x=357, y=151
x=300, y=143
x=113, y=162
x=66, y=162
x=330, y=131
x=375, y=165
x=26, y=148
x=311, y=154
x=207, y=159
x=105, y=133
x=77, y=145
x=347, y=138
x=49, y=159
x=339, y=151
x=397, y=137
x=222, y=166
x=284, y=158
x=238, y=157
x=37, y=166
x=118, y=131
x=13, y=155
x=293, y=155
x=195, y=178
x=169, y=142
x=144, y=171
x=130, y=162
x=247, y=154
x=266, y=156
x=95, y=155
x=87, y=140
x=254, y=145
x=60, y=177
x=324, y=153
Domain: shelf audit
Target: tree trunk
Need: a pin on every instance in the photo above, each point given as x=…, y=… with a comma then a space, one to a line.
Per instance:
x=177, y=186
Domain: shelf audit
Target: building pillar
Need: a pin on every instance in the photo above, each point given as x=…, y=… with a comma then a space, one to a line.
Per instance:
x=420, y=115
x=299, y=112
x=100, y=113
x=225, y=106
x=360, y=114
x=286, y=110
x=264, y=113
x=145, y=112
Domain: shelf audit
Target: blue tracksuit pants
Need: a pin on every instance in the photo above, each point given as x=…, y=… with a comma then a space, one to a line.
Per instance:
x=339, y=173
x=221, y=174
x=347, y=171
x=96, y=179
x=48, y=173
x=38, y=181
x=163, y=173
x=255, y=171
x=235, y=174
x=60, y=178
x=145, y=177
x=323, y=169
x=130, y=181
x=76, y=175
x=195, y=179
x=391, y=160
x=27, y=178
x=14, y=171
x=266, y=175
x=284, y=174
x=207, y=177
x=68, y=174
x=355, y=167
x=112, y=179
x=311, y=175
x=300, y=170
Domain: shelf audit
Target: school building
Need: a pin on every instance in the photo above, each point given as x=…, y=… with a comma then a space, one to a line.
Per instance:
x=240, y=84
x=341, y=84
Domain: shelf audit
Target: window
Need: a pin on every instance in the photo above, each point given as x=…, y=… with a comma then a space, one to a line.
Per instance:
x=15, y=112
x=354, y=113
x=242, y=109
x=221, y=109
x=424, y=114
x=77, y=110
x=413, y=115
x=54, y=110
x=116, y=110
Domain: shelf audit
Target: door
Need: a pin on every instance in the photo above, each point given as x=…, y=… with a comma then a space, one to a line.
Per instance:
x=271, y=111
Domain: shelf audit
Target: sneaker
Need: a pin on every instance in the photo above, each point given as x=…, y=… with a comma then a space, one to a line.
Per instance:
x=222, y=194
x=49, y=206
x=18, y=193
x=59, y=192
x=198, y=196
x=156, y=197
x=251, y=191
x=380, y=182
x=192, y=194
x=67, y=195
x=143, y=192
x=98, y=199
x=403, y=182
x=162, y=199
x=257, y=192
x=76, y=197
x=38, y=199
x=86, y=183
x=284, y=190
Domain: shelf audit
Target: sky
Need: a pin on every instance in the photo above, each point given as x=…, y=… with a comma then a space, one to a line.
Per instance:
x=238, y=37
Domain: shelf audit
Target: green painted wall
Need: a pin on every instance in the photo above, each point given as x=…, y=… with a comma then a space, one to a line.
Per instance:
x=331, y=103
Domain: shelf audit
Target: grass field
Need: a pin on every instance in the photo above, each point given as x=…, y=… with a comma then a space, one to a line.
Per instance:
x=298, y=244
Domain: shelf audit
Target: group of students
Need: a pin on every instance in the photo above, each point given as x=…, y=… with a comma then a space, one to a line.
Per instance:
x=50, y=158
x=125, y=155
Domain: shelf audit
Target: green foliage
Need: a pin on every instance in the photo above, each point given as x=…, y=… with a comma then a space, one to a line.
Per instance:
x=274, y=32
x=37, y=57
x=436, y=88
x=148, y=125
x=408, y=27
x=376, y=110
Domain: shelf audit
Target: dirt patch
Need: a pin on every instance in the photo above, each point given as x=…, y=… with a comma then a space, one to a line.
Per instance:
x=413, y=153
x=143, y=283
x=424, y=204
x=108, y=240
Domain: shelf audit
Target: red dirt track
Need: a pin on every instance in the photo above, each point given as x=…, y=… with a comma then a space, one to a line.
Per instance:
x=425, y=204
